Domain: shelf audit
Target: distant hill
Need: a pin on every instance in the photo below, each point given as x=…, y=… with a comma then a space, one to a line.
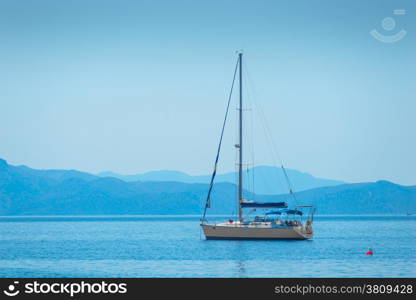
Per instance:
x=381, y=197
x=267, y=180
x=25, y=191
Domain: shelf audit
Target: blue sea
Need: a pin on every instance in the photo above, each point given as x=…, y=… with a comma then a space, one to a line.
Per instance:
x=173, y=246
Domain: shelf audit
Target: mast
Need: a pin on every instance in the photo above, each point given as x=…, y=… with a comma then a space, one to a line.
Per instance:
x=240, y=165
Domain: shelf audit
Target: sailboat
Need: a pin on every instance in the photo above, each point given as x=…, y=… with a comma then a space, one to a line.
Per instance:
x=281, y=222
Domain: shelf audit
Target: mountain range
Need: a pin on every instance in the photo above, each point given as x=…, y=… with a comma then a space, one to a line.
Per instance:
x=27, y=191
x=267, y=180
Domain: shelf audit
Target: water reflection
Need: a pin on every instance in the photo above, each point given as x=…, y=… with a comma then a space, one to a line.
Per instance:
x=241, y=268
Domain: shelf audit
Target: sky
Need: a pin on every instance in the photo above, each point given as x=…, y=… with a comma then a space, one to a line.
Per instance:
x=135, y=86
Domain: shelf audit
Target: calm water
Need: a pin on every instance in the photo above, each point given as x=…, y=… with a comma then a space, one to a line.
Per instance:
x=146, y=246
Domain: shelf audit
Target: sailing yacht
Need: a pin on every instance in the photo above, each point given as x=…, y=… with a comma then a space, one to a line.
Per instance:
x=278, y=220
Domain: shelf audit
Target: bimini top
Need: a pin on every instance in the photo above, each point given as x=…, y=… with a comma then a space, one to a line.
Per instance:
x=264, y=204
x=285, y=211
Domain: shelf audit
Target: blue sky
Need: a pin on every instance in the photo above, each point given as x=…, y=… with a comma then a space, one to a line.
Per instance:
x=133, y=86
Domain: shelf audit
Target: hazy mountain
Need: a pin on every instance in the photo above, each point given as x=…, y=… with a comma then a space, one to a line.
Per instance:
x=25, y=191
x=267, y=180
x=157, y=176
x=381, y=197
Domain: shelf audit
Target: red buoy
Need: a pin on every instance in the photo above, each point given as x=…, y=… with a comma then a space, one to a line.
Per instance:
x=369, y=252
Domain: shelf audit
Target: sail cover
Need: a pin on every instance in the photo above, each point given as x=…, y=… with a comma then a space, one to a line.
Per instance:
x=264, y=204
x=285, y=211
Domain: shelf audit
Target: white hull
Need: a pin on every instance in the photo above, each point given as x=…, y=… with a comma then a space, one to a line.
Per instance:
x=252, y=232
